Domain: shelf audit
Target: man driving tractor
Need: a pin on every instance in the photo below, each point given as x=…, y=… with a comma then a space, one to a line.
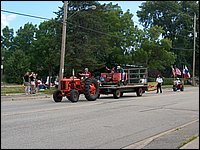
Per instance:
x=85, y=74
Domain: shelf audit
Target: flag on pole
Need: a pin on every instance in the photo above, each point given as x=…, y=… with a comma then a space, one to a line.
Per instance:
x=173, y=71
x=186, y=72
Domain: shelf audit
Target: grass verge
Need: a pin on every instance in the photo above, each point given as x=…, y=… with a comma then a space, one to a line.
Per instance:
x=19, y=89
x=187, y=141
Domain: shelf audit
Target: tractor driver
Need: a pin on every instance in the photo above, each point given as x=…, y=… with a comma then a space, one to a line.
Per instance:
x=85, y=74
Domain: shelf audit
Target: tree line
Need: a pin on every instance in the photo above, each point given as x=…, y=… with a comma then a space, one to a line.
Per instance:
x=105, y=36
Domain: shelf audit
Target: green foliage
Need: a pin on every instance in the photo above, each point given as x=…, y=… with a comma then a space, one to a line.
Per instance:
x=47, y=48
x=16, y=66
x=106, y=35
x=155, y=52
x=177, y=20
x=7, y=38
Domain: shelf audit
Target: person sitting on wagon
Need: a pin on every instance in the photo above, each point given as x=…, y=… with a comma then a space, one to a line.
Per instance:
x=121, y=70
x=111, y=70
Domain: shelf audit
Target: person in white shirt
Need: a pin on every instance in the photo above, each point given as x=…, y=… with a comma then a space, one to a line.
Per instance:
x=178, y=81
x=159, y=81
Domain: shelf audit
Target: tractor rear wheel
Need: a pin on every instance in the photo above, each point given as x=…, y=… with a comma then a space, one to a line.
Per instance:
x=74, y=96
x=57, y=96
x=91, y=89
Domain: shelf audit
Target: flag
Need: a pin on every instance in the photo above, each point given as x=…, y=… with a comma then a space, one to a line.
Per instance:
x=177, y=71
x=186, y=72
x=173, y=71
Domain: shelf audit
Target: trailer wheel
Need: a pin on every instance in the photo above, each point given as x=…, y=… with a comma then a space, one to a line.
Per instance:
x=74, y=96
x=117, y=94
x=99, y=95
x=91, y=89
x=139, y=92
x=57, y=96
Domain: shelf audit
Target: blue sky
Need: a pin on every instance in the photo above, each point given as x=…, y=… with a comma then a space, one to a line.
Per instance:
x=45, y=9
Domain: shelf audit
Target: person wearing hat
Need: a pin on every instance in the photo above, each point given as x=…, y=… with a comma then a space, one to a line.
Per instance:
x=121, y=70
x=178, y=81
x=85, y=74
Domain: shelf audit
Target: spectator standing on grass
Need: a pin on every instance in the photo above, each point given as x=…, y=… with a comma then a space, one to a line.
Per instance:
x=26, y=80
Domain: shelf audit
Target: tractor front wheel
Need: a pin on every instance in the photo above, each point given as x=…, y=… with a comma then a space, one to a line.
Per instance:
x=74, y=96
x=57, y=96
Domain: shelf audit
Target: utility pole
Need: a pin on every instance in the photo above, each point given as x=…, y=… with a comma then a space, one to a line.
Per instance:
x=62, y=55
x=193, y=72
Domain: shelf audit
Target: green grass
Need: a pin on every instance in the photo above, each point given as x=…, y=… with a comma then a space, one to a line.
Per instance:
x=187, y=141
x=19, y=89
x=11, y=90
x=48, y=91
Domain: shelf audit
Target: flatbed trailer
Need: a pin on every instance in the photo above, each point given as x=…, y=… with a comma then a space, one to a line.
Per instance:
x=118, y=91
x=136, y=82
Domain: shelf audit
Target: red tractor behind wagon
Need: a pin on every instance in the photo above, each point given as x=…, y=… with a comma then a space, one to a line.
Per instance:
x=113, y=78
x=72, y=87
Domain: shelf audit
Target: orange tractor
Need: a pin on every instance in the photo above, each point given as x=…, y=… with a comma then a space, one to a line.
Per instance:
x=72, y=87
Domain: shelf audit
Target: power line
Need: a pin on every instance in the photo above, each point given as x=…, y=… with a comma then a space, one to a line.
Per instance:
x=68, y=22
x=94, y=30
x=100, y=32
x=181, y=49
x=25, y=15
x=49, y=19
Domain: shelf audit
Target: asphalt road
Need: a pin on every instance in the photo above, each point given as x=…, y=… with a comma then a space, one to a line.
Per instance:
x=161, y=121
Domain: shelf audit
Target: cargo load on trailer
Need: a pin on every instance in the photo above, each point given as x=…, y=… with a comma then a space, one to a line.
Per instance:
x=132, y=79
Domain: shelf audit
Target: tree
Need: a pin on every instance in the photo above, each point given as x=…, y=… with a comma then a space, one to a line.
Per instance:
x=16, y=66
x=176, y=19
x=7, y=38
x=155, y=52
x=47, y=48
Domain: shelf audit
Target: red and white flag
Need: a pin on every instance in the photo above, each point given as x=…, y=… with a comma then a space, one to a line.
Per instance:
x=186, y=73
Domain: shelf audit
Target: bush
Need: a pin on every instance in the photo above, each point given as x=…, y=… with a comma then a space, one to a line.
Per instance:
x=169, y=81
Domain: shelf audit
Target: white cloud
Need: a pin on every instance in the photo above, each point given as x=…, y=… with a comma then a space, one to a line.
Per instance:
x=6, y=19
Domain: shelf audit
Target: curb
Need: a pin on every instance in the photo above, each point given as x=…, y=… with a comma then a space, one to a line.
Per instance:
x=194, y=144
x=22, y=96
